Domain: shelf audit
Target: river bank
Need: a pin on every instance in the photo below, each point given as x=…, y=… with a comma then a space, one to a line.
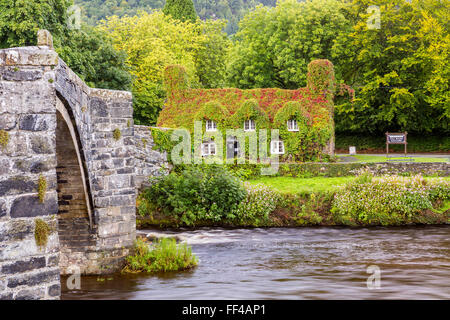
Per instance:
x=345, y=201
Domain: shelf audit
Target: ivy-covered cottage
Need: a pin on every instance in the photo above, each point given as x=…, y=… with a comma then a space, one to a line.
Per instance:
x=303, y=116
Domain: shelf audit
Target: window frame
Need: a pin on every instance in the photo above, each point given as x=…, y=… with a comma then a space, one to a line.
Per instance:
x=250, y=122
x=213, y=124
x=207, y=147
x=292, y=128
x=277, y=143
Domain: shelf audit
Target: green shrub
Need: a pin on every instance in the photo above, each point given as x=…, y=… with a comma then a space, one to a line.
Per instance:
x=197, y=193
x=387, y=200
x=255, y=208
x=162, y=256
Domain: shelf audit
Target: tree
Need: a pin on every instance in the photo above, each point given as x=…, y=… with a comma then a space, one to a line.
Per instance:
x=91, y=54
x=401, y=71
x=180, y=9
x=87, y=51
x=274, y=45
x=153, y=41
x=21, y=19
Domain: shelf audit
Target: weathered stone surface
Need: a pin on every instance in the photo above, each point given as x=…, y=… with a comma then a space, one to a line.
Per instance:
x=54, y=290
x=8, y=122
x=29, y=206
x=24, y=265
x=6, y=296
x=16, y=185
x=98, y=107
x=34, y=122
x=15, y=230
x=146, y=161
x=21, y=75
x=44, y=38
x=34, y=278
x=31, y=294
x=41, y=145
x=53, y=261
x=2, y=208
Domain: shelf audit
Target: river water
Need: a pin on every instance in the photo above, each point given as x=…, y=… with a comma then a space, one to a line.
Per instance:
x=294, y=263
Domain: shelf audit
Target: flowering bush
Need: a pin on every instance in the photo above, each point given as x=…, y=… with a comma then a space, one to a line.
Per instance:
x=387, y=200
x=256, y=207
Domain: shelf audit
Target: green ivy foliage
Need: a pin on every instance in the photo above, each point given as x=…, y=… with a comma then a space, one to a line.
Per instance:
x=175, y=80
x=250, y=110
x=213, y=110
x=320, y=78
x=269, y=108
x=296, y=143
x=161, y=139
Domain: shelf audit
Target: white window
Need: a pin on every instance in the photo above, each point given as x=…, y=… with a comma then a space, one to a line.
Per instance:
x=249, y=125
x=292, y=125
x=211, y=125
x=208, y=149
x=277, y=147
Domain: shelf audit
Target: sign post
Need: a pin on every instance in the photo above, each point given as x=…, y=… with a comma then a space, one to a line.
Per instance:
x=395, y=138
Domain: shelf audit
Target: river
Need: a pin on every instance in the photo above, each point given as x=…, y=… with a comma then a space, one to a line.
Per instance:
x=294, y=263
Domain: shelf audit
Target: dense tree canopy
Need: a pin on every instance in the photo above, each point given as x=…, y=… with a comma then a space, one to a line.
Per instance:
x=87, y=51
x=401, y=71
x=274, y=45
x=230, y=10
x=180, y=9
x=21, y=19
x=91, y=54
x=153, y=41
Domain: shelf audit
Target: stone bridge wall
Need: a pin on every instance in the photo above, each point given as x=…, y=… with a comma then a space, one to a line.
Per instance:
x=81, y=141
x=149, y=162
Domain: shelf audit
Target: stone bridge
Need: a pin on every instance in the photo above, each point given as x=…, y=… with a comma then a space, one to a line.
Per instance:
x=70, y=163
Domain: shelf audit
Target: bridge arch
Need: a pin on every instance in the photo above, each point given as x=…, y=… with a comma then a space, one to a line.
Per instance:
x=65, y=128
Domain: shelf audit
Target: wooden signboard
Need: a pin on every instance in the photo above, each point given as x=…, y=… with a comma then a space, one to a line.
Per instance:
x=396, y=138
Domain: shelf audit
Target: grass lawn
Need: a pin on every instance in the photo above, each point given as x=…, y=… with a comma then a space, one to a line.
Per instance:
x=306, y=185
x=382, y=158
x=302, y=185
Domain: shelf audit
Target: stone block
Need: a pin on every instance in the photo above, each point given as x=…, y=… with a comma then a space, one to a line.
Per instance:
x=54, y=290
x=23, y=265
x=33, y=279
x=98, y=107
x=8, y=122
x=17, y=185
x=42, y=144
x=37, y=122
x=29, y=206
x=10, y=74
